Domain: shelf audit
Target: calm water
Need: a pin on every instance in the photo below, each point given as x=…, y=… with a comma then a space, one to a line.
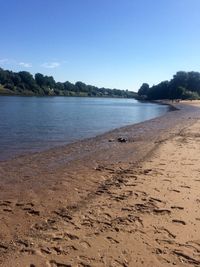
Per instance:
x=37, y=123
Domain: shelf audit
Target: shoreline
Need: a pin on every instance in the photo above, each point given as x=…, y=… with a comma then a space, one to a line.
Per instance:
x=124, y=131
x=102, y=150
x=58, y=184
x=76, y=142
x=33, y=151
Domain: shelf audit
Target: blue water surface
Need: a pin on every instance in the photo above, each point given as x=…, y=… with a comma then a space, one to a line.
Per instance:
x=29, y=124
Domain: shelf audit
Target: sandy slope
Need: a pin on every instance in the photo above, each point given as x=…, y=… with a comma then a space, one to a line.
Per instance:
x=95, y=212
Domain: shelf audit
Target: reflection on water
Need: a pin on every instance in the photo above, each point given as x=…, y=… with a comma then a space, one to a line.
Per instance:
x=37, y=123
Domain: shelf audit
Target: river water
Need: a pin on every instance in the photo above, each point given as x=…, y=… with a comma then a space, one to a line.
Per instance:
x=29, y=124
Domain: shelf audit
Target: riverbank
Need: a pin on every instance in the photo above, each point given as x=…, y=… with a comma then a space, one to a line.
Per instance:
x=64, y=120
x=101, y=202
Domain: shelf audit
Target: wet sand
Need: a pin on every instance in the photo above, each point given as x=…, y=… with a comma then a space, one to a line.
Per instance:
x=100, y=202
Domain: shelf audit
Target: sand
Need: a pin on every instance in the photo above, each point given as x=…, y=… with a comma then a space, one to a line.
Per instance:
x=100, y=202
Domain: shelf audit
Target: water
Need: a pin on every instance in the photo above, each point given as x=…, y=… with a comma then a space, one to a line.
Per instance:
x=29, y=124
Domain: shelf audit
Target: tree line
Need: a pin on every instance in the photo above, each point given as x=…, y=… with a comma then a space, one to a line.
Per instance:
x=24, y=83
x=183, y=85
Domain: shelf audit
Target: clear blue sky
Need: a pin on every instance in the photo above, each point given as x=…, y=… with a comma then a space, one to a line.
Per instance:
x=110, y=43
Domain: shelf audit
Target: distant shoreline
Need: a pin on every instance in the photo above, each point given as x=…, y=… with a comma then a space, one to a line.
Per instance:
x=21, y=95
x=24, y=83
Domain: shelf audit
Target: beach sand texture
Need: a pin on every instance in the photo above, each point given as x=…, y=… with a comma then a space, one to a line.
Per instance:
x=100, y=202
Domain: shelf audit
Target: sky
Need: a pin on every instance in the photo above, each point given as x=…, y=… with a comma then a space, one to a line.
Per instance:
x=108, y=43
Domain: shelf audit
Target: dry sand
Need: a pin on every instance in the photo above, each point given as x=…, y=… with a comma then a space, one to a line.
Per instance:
x=100, y=202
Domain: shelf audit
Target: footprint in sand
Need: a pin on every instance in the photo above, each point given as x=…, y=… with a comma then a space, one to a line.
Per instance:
x=179, y=221
x=64, y=214
x=59, y=250
x=85, y=244
x=146, y=171
x=48, y=224
x=118, y=263
x=156, y=199
x=185, y=186
x=177, y=207
x=54, y=263
x=161, y=211
x=166, y=180
x=175, y=190
x=83, y=264
x=19, y=204
x=46, y=250
x=32, y=211
x=3, y=248
x=71, y=236
x=8, y=210
x=186, y=258
x=165, y=231
x=6, y=206
x=112, y=240
x=5, y=203
x=29, y=251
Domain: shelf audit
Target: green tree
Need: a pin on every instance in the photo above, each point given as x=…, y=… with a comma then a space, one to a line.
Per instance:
x=143, y=89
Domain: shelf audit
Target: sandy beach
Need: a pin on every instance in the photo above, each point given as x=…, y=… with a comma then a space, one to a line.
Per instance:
x=101, y=202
